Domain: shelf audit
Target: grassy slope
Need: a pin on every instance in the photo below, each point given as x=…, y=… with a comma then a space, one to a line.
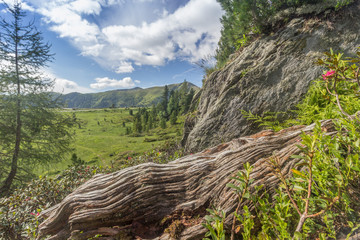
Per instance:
x=106, y=143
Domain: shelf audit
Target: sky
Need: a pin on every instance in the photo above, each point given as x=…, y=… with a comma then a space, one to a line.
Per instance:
x=101, y=45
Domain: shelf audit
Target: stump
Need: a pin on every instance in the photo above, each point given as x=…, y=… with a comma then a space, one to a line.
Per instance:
x=146, y=199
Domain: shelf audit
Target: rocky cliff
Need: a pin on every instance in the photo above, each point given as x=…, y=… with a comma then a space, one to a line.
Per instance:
x=271, y=74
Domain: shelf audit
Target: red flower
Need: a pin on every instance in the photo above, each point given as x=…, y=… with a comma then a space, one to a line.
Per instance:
x=328, y=74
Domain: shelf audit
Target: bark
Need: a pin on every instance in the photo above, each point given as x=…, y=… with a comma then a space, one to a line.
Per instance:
x=146, y=199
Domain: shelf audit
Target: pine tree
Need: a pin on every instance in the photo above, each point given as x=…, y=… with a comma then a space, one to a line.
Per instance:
x=32, y=131
x=189, y=98
x=163, y=123
x=164, y=102
x=137, y=126
x=173, y=118
x=183, y=97
x=172, y=103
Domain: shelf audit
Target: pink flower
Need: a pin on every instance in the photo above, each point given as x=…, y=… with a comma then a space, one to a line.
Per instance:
x=38, y=214
x=129, y=158
x=328, y=74
x=32, y=213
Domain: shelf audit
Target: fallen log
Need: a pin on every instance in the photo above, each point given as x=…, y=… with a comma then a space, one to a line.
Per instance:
x=163, y=201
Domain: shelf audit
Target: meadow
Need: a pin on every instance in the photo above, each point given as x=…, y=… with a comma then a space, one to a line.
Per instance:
x=100, y=138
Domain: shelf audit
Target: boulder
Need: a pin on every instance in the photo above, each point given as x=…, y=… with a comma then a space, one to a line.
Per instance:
x=271, y=74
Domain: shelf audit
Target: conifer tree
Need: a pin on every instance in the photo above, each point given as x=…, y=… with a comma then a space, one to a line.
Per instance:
x=165, y=101
x=32, y=131
x=173, y=118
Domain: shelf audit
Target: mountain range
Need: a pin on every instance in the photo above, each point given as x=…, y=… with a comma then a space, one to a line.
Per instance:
x=135, y=97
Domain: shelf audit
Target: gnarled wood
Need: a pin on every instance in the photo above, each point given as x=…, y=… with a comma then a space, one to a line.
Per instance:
x=140, y=199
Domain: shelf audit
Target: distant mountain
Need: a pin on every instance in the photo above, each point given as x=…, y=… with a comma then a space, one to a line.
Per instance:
x=135, y=97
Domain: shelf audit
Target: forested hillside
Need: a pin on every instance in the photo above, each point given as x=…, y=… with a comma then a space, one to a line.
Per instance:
x=136, y=97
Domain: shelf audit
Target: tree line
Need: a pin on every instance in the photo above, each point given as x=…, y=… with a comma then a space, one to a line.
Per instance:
x=173, y=104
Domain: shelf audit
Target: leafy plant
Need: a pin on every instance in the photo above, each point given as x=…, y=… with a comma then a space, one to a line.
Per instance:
x=215, y=225
x=241, y=189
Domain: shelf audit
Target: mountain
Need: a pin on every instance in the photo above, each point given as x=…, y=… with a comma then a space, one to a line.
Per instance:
x=270, y=75
x=135, y=97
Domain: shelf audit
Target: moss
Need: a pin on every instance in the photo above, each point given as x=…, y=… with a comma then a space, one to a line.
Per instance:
x=175, y=229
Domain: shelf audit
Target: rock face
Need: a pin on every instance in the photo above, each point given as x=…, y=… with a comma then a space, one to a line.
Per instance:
x=271, y=74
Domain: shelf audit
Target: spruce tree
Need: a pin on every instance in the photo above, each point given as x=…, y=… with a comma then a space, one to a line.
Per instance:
x=165, y=101
x=183, y=97
x=173, y=118
x=32, y=130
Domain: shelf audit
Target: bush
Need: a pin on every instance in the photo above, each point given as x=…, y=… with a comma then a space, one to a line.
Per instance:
x=20, y=212
x=321, y=198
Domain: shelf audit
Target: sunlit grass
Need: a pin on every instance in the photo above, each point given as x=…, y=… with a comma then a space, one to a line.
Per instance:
x=101, y=138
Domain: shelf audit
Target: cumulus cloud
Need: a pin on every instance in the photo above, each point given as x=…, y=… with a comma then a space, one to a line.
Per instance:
x=124, y=67
x=24, y=5
x=187, y=33
x=64, y=86
x=106, y=82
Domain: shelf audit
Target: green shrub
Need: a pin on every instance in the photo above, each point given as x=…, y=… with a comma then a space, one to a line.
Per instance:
x=19, y=213
x=321, y=198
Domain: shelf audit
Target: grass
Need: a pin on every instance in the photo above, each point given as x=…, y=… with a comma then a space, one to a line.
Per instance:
x=101, y=138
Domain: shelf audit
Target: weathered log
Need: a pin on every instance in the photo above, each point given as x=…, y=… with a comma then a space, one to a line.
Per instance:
x=146, y=199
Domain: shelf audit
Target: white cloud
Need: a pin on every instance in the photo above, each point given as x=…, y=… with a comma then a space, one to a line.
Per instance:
x=125, y=67
x=190, y=33
x=86, y=6
x=64, y=86
x=24, y=5
x=106, y=82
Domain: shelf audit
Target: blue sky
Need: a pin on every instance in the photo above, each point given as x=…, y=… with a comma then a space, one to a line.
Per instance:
x=101, y=45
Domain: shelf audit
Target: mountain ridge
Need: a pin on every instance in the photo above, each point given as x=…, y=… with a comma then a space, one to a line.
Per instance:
x=133, y=97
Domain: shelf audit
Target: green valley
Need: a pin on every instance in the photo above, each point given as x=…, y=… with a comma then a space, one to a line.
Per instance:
x=101, y=139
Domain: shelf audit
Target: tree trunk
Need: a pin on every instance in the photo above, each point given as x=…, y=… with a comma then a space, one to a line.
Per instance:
x=4, y=190
x=148, y=198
